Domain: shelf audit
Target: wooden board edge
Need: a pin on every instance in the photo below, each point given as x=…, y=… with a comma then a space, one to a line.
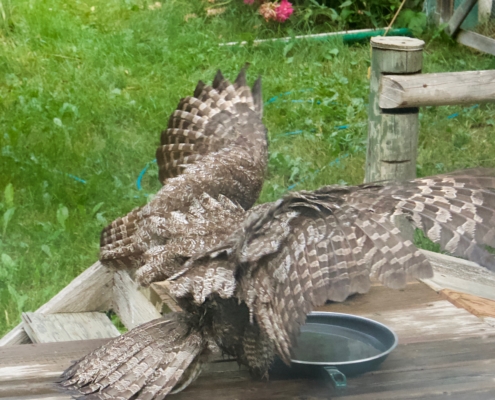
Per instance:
x=476, y=41
x=132, y=306
x=90, y=291
x=476, y=305
x=16, y=336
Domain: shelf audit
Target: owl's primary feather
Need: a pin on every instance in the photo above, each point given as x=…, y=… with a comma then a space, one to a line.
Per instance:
x=251, y=285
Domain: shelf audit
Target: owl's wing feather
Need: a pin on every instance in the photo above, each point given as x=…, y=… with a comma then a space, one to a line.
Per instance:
x=200, y=124
x=454, y=210
x=310, y=247
x=214, y=146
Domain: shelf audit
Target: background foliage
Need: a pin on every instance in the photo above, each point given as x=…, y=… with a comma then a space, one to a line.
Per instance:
x=87, y=86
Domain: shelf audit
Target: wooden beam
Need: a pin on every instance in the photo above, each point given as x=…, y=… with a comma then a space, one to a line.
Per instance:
x=441, y=89
x=459, y=16
x=30, y=370
x=441, y=350
x=392, y=136
x=90, y=291
x=475, y=305
x=460, y=275
x=132, y=306
x=476, y=41
x=161, y=297
x=64, y=327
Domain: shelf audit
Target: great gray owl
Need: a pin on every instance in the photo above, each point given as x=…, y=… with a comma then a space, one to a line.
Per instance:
x=247, y=279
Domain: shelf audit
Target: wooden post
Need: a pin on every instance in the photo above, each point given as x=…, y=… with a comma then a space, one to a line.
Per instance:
x=392, y=134
x=459, y=16
x=444, y=10
x=484, y=10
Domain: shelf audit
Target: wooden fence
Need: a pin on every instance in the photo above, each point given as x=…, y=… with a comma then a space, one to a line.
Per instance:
x=454, y=19
x=397, y=90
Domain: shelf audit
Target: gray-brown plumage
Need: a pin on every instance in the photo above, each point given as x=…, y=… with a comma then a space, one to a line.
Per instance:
x=212, y=161
x=251, y=293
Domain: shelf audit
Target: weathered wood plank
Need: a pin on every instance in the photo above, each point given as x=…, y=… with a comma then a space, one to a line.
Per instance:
x=460, y=275
x=90, y=291
x=32, y=369
x=476, y=41
x=132, y=306
x=436, y=321
x=475, y=305
x=16, y=336
x=421, y=370
x=451, y=88
x=442, y=350
x=64, y=327
x=414, y=371
x=415, y=314
x=381, y=298
x=392, y=137
x=459, y=16
x=160, y=294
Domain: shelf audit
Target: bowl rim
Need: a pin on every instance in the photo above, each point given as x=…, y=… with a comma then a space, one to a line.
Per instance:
x=363, y=360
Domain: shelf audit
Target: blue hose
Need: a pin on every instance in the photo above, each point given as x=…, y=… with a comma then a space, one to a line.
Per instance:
x=141, y=174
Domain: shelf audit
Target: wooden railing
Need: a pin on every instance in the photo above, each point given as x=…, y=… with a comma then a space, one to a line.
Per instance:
x=397, y=90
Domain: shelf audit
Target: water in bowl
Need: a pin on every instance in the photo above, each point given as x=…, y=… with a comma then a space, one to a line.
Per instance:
x=334, y=344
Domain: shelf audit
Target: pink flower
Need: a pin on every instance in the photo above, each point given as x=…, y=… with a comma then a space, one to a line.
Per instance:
x=267, y=11
x=283, y=11
x=248, y=1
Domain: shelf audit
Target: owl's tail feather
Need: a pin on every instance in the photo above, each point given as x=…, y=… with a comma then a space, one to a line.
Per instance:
x=148, y=362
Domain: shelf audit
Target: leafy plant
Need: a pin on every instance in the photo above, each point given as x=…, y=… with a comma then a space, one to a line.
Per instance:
x=6, y=21
x=8, y=268
x=62, y=215
x=9, y=205
x=414, y=20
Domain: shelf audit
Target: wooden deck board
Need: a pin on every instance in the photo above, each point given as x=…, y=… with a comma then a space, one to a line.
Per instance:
x=64, y=327
x=444, y=352
x=90, y=291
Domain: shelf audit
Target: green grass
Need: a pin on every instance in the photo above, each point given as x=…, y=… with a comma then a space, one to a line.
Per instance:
x=86, y=88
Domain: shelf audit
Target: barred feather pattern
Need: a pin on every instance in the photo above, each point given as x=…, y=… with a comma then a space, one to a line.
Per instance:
x=247, y=277
x=145, y=363
x=212, y=162
x=202, y=123
x=309, y=247
x=251, y=293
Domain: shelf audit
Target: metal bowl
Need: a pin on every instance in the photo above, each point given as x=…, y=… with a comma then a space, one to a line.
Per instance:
x=339, y=345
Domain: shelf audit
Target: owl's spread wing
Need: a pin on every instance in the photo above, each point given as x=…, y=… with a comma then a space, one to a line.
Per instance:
x=201, y=123
x=311, y=247
x=212, y=162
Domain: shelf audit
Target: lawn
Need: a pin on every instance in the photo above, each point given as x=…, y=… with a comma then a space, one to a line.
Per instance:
x=87, y=87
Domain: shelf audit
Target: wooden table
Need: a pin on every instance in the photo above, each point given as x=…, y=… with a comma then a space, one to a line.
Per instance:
x=445, y=352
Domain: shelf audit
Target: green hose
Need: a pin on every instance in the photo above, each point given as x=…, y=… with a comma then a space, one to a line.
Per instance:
x=357, y=37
